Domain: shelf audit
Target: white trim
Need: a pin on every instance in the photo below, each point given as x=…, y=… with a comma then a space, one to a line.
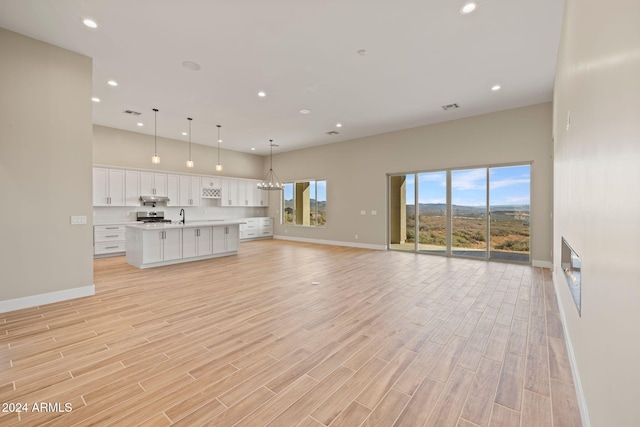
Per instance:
x=48, y=298
x=577, y=381
x=332, y=242
x=543, y=264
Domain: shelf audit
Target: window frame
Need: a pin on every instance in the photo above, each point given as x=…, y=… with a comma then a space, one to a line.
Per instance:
x=314, y=213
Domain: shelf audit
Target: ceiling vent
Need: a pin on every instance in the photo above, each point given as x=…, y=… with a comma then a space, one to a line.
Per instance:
x=133, y=113
x=332, y=133
x=450, y=107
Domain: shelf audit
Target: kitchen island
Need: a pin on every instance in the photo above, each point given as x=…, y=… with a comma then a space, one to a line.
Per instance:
x=158, y=244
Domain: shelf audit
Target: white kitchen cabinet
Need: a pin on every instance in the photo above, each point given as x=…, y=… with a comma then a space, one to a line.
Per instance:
x=189, y=190
x=249, y=230
x=225, y=239
x=162, y=245
x=210, y=187
x=247, y=193
x=256, y=228
x=173, y=189
x=109, y=239
x=262, y=196
x=108, y=187
x=230, y=192
x=153, y=184
x=196, y=242
x=132, y=188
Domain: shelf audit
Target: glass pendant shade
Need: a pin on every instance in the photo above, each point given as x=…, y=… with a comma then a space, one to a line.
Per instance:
x=189, y=162
x=219, y=165
x=155, y=159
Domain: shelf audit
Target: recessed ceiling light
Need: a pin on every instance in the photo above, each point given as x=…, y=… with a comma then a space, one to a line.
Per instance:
x=112, y=83
x=496, y=88
x=362, y=52
x=140, y=124
x=90, y=23
x=338, y=125
x=184, y=133
x=190, y=65
x=262, y=94
x=253, y=148
x=468, y=7
x=95, y=99
x=305, y=111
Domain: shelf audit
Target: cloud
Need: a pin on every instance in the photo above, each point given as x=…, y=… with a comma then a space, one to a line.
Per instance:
x=475, y=179
x=508, y=182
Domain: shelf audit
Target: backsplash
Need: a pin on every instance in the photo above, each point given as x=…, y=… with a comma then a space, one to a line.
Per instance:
x=108, y=214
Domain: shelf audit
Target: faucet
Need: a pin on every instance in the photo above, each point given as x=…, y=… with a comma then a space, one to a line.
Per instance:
x=183, y=216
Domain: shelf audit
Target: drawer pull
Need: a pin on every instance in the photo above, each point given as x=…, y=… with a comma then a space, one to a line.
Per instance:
x=112, y=236
x=111, y=247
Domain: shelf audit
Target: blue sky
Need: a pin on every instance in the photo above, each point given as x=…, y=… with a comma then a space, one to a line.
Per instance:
x=510, y=185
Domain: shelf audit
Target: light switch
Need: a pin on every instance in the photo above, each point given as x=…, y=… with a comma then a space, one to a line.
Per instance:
x=78, y=220
x=374, y=212
x=363, y=212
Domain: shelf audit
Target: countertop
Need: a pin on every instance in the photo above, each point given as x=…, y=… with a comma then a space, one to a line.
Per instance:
x=189, y=224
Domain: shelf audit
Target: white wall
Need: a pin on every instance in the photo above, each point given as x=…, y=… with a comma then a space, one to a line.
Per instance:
x=45, y=171
x=356, y=171
x=597, y=173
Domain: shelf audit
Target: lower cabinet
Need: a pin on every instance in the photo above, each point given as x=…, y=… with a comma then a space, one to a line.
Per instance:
x=162, y=245
x=256, y=228
x=108, y=240
x=225, y=239
x=148, y=247
x=196, y=242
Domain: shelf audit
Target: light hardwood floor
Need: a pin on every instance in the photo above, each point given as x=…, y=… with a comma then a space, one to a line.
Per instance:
x=385, y=338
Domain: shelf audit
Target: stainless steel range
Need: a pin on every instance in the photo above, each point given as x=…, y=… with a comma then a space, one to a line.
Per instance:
x=153, y=216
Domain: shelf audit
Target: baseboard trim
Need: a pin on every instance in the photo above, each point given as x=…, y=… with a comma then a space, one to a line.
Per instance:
x=332, y=242
x=543, y=264
x=48, y=298
x=577, y=381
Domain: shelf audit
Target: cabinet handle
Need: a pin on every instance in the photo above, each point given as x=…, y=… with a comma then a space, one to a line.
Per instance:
x=111, y=247
x=111, y=228
x=112, y=236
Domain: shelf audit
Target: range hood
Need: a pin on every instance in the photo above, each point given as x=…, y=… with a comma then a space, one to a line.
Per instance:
x=153, y=199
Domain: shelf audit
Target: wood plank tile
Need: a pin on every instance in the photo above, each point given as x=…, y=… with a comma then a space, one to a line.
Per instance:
x=504, y=417
x=452, y=399
x=509, y=392
x=482, y=394
x=387, y=377
x=205, y=348
x=536, y=410
x=353, y=415
x=421, y=404
x=387, y=410
x=564, y=404
x=559, y=365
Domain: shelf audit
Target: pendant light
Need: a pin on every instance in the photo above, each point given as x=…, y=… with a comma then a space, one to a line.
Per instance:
x=189, y=162
x=219, y=165
x=271, y=181
x=155, y=159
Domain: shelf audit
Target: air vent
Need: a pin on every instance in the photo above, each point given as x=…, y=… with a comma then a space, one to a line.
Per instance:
x=332, y=133
x=133, y=113
x=450, y=107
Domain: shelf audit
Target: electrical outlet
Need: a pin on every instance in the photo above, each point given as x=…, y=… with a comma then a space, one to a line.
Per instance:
x=363, y=212
x=356, y=237
x=374, y=212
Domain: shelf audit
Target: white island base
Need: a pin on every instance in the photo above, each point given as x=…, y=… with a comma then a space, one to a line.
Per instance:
x=155, y=245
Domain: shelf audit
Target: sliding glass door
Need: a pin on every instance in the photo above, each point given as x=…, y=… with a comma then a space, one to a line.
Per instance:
x=509, y=202
x=469, y=212
x=432, y=212
x=479, y=213
x=402, y=212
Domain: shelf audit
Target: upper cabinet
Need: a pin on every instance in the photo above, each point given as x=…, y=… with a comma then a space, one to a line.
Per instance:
x=108, y=187
x=189, y=190
x=120, y=187
x=153, y=184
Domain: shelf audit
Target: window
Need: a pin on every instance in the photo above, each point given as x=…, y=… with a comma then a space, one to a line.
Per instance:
x=305, y=203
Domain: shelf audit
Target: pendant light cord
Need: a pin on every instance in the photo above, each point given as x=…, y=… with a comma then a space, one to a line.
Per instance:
x=189, y=118
x=155, y=131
